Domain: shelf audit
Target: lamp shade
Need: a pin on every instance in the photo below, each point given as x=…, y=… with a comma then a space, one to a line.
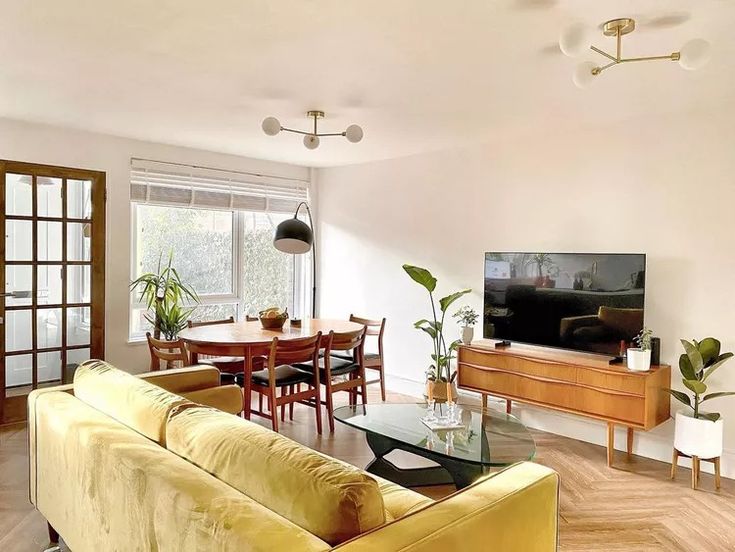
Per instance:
x=575, y=40
x=293, y=236
x=354, y=133
x=271, y=126
x=311, y=141
x=583, y=75
x=694, y=54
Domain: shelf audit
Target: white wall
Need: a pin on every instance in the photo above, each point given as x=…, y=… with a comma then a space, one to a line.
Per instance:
x=49, y=145
x=662, y=186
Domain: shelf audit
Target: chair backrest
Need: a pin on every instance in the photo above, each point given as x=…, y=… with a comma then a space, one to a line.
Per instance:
x=293, y=351
x=373, y=328
x=192, y=324
x=168, y=351
x=249, y=318
x=347, y=341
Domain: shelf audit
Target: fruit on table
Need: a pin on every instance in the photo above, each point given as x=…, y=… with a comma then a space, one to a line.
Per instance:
x=272, y=312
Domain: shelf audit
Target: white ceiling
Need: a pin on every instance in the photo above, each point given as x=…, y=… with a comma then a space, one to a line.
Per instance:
x=417, y=75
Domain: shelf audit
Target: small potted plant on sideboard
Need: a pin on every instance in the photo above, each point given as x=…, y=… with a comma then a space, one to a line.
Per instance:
x=639, y=358
x=467, y=318
x=439, y=377
x=699, y=433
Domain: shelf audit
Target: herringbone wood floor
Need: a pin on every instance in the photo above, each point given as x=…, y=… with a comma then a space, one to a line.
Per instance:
x=632, y=507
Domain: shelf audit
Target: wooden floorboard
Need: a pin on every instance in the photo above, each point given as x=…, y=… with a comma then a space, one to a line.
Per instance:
x=631, y=507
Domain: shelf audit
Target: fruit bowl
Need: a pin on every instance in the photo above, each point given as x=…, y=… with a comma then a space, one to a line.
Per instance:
x=272, y=319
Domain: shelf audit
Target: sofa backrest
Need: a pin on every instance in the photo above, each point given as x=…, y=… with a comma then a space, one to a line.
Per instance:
x=333, y=501
x=132, y=401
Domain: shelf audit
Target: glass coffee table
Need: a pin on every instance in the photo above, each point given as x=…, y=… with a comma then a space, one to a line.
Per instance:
x=489, y=439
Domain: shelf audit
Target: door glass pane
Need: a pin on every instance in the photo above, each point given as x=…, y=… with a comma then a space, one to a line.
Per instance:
x=78, y=322
x=49, y=284
x=78, y=238
x=18, y=280
x=48, y=196
x=49, y=241
x=18, y=194
x=18, y=336
x=74, y=357
x=18, y=370
x=18, y=240
x=78, y=283
x=48, y=325
x=79, y=199
x=49, y=367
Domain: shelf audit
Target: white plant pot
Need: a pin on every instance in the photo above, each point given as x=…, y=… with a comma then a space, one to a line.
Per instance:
x=468, y=332
x=697, y=437
x=639, y=360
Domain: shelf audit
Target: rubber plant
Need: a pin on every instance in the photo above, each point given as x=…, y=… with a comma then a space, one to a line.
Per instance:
x=164, y=293
x=698, y=362
x=443, y=352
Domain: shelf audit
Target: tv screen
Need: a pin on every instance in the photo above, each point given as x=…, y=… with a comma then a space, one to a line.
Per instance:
x=582, y=301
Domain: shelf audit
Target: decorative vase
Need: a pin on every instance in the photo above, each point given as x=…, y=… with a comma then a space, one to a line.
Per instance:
x=468, y=332
x=698, y=437
x=439, y=390
x=639, y=360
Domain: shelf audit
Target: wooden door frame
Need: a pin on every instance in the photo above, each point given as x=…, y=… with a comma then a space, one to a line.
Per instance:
x=14, y=408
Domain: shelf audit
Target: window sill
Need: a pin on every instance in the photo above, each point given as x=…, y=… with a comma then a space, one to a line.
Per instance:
x=137, y=340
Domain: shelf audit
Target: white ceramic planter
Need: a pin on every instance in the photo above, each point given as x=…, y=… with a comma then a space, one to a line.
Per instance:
x=468, y=332
x=697, y=437
x=639, y=360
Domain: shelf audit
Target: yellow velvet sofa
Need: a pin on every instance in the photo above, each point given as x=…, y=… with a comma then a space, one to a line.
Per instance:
x=125, y=463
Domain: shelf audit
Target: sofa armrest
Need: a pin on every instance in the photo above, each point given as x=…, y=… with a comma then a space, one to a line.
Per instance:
x=184, y=380
x=515, y=510
x=571, y=323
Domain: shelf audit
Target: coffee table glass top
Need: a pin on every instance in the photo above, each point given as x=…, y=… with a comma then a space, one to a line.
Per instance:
x=489, y=438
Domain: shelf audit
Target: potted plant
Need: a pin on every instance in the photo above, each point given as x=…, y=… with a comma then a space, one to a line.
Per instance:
x=467, y=318
x=165, y=294
x=699, y=433
x=639, y=358
x=439, y=375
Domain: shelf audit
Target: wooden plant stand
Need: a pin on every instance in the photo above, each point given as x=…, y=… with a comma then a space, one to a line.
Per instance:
x=696, y=460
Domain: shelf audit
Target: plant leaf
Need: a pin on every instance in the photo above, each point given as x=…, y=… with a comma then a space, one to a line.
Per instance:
x=421, y=276
x=711, y=416
x=685, y=367
x=694, y=356
x=716, y=395
x=681, y=397
x=695, y=386
x=445, y=302
x=720, y=361
x=709, y=348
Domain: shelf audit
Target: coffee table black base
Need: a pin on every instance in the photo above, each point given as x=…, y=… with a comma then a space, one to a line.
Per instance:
x=461, y=474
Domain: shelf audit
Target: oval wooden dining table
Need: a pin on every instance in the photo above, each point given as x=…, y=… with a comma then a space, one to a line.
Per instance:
x=249, y=339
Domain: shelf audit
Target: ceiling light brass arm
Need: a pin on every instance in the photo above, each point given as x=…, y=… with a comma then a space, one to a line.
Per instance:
x=305, y=133
x=603, y=53
x=674, y=56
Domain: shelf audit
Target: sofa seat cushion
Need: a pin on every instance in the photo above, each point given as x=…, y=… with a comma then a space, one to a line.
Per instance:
x=330, y=500
x=227, y=398
x=132, y=401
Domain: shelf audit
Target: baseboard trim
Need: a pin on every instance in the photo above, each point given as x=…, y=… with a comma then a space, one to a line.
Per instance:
x=656, y=444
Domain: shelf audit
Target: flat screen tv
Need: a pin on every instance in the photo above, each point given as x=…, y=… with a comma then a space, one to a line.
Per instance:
x=581, y=301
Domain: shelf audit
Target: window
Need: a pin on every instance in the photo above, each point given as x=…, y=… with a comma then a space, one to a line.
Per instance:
x=226, y=255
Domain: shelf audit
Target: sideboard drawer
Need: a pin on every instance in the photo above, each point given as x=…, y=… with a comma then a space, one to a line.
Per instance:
x=609, y=405
x=519, y=365
x=626, y=383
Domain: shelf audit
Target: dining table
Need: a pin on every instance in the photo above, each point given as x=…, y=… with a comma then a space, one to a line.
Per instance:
x=249, y=339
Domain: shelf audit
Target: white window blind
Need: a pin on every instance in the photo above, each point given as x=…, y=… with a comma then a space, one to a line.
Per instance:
x=160, y=183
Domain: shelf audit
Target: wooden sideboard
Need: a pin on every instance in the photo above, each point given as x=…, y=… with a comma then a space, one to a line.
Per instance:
x=568, y=381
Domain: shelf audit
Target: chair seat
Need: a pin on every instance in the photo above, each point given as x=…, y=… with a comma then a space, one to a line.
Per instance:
x=338, y=366
x=285, y=375
x=348, y=356
x=232, y=365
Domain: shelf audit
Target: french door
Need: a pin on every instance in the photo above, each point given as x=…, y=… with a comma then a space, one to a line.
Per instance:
x=52, y=265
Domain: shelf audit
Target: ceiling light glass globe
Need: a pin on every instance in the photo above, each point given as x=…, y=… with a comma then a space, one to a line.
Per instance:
x=354, y=133
x=583, y=75
x=271, y=126
x=694, y=54
x=311, y=141
x=574, y=41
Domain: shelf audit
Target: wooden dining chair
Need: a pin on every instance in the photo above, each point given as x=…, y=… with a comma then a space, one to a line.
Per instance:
x=374, y=360
x=166, y=351
x=282, y=373
x=228, y=366
x=341, y=373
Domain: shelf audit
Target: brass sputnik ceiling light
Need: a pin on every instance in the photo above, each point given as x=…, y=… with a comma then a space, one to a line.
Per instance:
x=574, y=42
x=272, y=126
